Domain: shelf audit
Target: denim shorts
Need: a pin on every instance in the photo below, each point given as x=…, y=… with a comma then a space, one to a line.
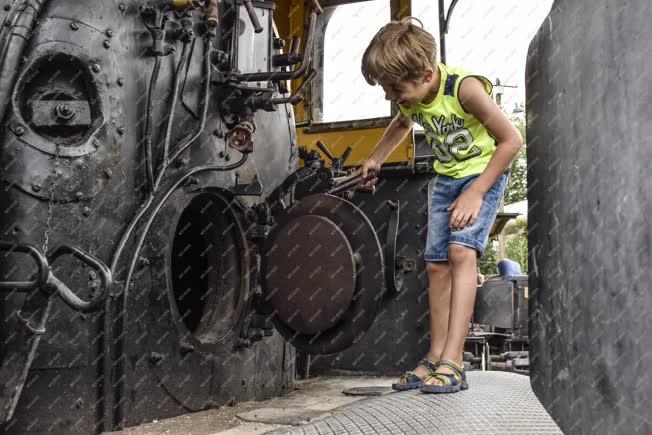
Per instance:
x=442, y=192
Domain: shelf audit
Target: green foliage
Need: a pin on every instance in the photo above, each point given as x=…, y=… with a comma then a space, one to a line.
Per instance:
x=516, y=247
x=517, y=187
x=488, y=263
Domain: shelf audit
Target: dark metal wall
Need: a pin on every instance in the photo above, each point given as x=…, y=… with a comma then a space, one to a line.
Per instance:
x=146, y=358
x=399, y=336
x=588, y=75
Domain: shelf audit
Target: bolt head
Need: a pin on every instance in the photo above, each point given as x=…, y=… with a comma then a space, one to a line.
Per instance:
x=20, y=131
x=74, y=26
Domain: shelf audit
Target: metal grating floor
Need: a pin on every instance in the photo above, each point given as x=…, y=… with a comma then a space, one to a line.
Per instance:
x=495, y=403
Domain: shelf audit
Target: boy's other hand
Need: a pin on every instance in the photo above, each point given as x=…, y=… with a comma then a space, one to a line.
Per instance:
x=465, y=209
x=369, y=165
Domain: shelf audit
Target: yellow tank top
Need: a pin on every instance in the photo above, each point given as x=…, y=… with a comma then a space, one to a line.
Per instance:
x=461, y=144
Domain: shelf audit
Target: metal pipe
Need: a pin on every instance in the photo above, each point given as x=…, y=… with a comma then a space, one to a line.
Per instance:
x=252, y=16
x=202, y=123
x=18, y=37
x=212, y=14
x=297, y=96
x=125, y=293
x=173, y=105
x=442, y=34
x=305, y=63
x=148, y=124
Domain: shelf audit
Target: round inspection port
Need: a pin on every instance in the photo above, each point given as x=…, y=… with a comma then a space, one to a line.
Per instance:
x=207, y=262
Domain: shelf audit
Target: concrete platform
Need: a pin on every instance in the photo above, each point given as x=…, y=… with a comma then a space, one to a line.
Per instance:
x=495, y=403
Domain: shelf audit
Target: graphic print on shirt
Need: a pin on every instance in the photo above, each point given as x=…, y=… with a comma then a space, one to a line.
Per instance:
x=458, y=141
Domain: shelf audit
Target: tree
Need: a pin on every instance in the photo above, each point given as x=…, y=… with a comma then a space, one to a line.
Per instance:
x=516, y=247
x=517, y=186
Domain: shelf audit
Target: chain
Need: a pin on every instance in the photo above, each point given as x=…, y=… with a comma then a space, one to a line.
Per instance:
x=51, y=201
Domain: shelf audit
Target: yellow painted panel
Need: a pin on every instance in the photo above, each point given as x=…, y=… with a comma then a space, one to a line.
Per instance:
x=291, y=20
x=361, y=141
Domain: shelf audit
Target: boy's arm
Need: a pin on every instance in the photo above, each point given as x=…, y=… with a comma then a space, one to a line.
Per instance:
x=475, y=100
x=394, y=134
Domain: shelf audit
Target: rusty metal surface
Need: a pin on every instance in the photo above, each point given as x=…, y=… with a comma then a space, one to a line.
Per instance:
x=310, y=275
x=369, y=278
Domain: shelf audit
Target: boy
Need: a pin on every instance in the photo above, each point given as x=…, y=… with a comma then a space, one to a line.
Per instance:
x=474, y=144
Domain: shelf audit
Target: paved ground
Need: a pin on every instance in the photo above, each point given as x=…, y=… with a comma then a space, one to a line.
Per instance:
x=316, y=394
x=497, y=402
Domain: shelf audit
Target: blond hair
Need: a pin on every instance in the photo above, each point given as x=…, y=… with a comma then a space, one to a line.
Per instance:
x=400, y=50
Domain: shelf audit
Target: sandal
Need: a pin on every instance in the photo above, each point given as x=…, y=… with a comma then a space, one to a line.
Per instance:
x=410, y=381
x=453, y=382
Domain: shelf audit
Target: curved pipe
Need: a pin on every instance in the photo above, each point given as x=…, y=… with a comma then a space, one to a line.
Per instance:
x=122, y=315
x=204, y=112
x=177, y=150
x=149, y=158
x=17, y=39
x=307, y=57
x=173, y=106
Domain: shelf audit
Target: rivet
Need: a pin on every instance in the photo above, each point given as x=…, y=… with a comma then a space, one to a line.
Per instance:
x=107, y=173
x=121, y=81
x=96, y=143
x=92, y=274
x=107, y=43
x=121, y=130
x=36, y=187
x=20, y=131
x=109, y=33
x=95, y=67
x=79, y=196
x=86, y=211
x=74, y=26
x=227, y=157
x=122, y=7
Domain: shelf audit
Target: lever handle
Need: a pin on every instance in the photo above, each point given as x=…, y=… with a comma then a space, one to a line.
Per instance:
x=252, y=16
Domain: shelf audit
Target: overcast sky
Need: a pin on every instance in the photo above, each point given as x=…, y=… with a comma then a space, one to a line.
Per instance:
x=489, y=37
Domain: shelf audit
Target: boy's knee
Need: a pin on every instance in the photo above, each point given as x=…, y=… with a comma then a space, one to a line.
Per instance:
x=460, y=253
x=437, y=267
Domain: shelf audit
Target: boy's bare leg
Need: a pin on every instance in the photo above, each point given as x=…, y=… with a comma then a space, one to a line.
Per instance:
x=463, y=273
x=439, y=296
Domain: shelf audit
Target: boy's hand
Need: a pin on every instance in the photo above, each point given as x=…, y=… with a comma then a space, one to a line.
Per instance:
x=465, y=209
x=369, y=165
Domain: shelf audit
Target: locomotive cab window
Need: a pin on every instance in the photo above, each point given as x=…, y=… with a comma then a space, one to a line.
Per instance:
x=340, y=92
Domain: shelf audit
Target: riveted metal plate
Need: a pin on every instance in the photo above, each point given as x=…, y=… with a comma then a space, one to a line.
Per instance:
x=79, y=161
